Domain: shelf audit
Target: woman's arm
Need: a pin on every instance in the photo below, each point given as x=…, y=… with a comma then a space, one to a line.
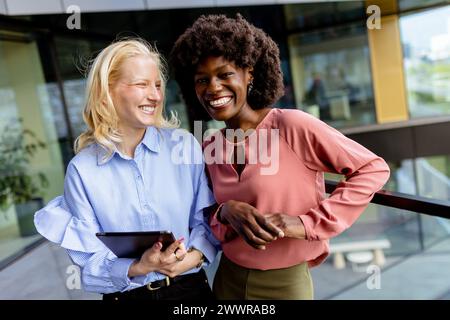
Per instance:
x=247, y=222
x=102, y=272
x=70, y=221
x=201, y=236
x=324, y=149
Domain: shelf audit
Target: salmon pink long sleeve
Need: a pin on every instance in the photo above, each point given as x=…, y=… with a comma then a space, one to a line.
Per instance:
x=300, y=148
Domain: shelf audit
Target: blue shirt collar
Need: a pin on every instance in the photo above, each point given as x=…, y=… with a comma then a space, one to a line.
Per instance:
x=151, y=141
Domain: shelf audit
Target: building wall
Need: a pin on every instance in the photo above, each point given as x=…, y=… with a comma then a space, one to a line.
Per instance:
x=368, y=78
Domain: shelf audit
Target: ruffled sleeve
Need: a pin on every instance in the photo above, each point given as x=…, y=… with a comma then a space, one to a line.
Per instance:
x=56, y=223
x=70, y=221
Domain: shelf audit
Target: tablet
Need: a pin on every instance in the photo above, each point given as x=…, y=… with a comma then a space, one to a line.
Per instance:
x=134, y=244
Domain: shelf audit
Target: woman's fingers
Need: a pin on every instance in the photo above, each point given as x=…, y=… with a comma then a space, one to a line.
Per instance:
x=156, y=247
x=171, y=254
x=269, y=226
x=173, y=246
x=262, y=229
x=181, y=252
x=250, y=224
x=252, y=239
x=150, y=258
x=230, y=234
x=152, y=252
x=258, y=233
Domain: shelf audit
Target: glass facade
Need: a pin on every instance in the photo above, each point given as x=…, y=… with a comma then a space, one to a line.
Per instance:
x=389, y=254
x=418, y=245
x=427, y=177
x=416, y=4
x=325, y=59
x=73, y=57
x=31, y=167
x=330, y=63
x=418, y=251
x=426, y=48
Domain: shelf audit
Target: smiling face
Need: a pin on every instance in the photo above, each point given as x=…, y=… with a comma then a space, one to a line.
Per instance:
x=221, y=87
x=137, y=93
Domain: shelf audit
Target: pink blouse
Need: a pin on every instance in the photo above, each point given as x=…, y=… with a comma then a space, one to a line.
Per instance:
x=287, y=177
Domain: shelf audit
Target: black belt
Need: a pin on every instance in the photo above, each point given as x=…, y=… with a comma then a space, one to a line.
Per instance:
x=167, y=281
x=164, y=286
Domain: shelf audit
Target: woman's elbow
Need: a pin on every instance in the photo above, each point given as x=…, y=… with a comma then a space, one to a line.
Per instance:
x=386, y=171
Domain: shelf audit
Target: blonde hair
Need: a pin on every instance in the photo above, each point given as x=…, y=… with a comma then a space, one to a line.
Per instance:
x=99, y=112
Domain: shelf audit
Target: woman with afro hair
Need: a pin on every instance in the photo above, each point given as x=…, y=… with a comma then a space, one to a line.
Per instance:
x=273, y=219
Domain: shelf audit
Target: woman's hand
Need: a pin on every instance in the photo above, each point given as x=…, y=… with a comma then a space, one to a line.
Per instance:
x=251, y=225
x=292, y=226
x=190, y=261
x=154, y=259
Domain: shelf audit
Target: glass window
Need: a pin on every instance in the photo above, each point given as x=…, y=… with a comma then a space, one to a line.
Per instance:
x=425, y=38
x=31, y=170
x=390, y=250
x=312, y=15
x=428, y=177
x=433, y=177
x=73, y=58
x=175, y=104
x=414, y=4
x=331, y=75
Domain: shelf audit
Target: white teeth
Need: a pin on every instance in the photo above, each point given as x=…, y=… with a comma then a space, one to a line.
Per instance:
x=220, y=102
x=147, y=108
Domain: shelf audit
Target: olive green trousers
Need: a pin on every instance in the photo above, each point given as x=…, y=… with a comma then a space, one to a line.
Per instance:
x=233, y=282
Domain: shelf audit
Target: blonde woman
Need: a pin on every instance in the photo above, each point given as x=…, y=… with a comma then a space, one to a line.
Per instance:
x=124, y=178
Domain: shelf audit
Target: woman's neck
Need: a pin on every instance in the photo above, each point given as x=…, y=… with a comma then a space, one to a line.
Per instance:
x=131, y=137
x=247, y=118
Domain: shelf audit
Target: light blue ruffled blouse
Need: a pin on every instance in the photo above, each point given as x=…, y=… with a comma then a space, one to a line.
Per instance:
x=164, y=187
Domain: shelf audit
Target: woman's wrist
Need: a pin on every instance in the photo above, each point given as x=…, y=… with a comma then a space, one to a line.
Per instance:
x=301, y=229
x=199, y=258
x=219, y=212
x=138, y=269
x=134, y=269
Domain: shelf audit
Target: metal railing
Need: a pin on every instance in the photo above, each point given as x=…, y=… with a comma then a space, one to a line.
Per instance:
x=422, y=205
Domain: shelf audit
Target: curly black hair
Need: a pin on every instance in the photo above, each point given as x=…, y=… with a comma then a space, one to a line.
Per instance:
x=236, y=40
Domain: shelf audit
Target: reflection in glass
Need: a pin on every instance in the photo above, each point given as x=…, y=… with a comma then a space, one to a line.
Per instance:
x=415, y=251
x=73, y=58
x=311, y=15
x=433, y=177
x=29, y=149
x=415, y=4
x=418, y=250
x=174, y=104
x=428, y=177
x=426, y=48
x=331, y=73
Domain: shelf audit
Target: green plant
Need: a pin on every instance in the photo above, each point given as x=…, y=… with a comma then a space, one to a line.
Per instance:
x=17, y=147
